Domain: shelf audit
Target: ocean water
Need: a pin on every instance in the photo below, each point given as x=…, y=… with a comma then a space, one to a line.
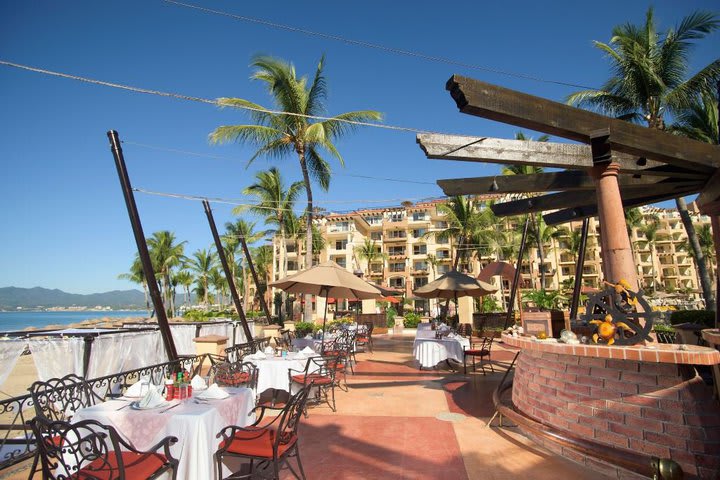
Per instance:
x=10, y=321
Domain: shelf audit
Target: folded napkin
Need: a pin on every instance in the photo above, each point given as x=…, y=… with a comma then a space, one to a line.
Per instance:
x=213, y=392
x=269, y=350
x=198, y=383
x=151, y=399
x=307, y=351
x=259, y=355
x=308, y=336
x=138, y=389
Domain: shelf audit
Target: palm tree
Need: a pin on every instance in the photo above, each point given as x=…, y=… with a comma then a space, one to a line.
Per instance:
x=244, y=229
x=165, y=255
x=700, y=120
x=136, y=275
x=650, y=80
x=371, y=252
x=262, y=258
x=649, y=231
x=274, y=201
x=281, y=134
x=202, y=263
x=217, y=280
x=185, y=278
x=462, y=219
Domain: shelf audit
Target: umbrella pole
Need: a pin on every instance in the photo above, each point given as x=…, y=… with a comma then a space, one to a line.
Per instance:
x=322, y=345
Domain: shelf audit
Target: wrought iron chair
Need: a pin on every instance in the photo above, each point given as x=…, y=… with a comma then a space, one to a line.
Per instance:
x=261, y=343
x=270, y=444
x=320, y=373
x=91, y=450
x=364, y=339
x=465, y=329
x=237, y=352
x=60, y=398
x=479, y=349
x=236, y=374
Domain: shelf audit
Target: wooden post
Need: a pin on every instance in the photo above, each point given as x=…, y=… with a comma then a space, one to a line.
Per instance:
x=142, y=246
x=579, y=270
x=516, y=280
x=226, y=269
x=246, y=251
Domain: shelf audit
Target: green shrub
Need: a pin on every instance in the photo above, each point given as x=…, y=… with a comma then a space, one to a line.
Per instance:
x=204, y=316
x=702, y=317
x=390, y=315
x=411, y=320
x=660, y=328
x=303, y=328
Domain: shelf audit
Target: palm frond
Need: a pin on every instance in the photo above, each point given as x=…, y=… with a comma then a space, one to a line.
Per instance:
x=318, y=91
x=318, y=168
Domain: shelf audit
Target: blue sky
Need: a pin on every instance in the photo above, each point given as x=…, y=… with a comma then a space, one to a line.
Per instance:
x=63, y=220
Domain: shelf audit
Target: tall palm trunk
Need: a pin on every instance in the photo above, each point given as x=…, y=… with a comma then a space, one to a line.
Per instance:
x=307, y=315
x=705, y=282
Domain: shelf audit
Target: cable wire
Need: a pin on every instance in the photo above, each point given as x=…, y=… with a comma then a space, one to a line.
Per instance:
x=208, y=101
x=376, y=46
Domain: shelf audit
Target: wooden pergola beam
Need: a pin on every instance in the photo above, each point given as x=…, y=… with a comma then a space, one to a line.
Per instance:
x=528, y=111
x=591, y=210
x=549, y=182
x=563, y=200
x=521, y=152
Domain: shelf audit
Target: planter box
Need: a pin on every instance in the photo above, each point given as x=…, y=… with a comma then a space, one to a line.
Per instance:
x=489, y=320
x=552, y=322
x=380, y=330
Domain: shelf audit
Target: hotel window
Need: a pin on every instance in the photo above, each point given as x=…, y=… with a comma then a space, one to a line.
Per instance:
x=396, y=234
x=292, y=265
x=396, y=266
x=396, y=217
x=419, y=232
x=419, y=282
x=418, y=216
x=342, y=261
x=373, y=220
x=341, y=245
x=420, y=266
x=419, y=249
x=397, y=282
x=376, y=236
x=396, y=251
x=342, y=226
x=442, y=269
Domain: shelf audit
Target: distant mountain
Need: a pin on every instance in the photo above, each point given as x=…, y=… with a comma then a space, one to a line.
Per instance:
x=13, y=297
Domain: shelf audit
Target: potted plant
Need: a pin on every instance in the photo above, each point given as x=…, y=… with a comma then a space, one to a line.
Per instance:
x=542, y=313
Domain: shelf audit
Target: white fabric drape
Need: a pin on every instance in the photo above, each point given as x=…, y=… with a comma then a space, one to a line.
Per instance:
x=57, y=357
x=10, y=351
x=125, y=351
x=183, y=337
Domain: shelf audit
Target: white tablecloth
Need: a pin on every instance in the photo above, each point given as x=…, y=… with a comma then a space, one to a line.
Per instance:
x=195, y=425
x=273, y=372
x=430, y=351
x=424, y=326
x=300, y=343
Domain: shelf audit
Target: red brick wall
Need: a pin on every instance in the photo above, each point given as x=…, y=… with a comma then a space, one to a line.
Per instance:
x=663, y=410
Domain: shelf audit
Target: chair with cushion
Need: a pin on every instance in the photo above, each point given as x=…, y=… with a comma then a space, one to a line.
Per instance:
x=364, y=338
x=267, y=444
x=479, y=349
x=465, y=330
x=236, y=374
x=91, y=450
x=237, y=352
x=321, y=374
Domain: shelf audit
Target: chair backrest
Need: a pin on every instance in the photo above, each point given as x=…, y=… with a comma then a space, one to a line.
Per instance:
x=487, y=343
x=236, y=374
x=65, y=447
x=290, y=417
x=260, y=343
x=237, y=352
x=60, y=398
x=370, y=326
x=465, y=329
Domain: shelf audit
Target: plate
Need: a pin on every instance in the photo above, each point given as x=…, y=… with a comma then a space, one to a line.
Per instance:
x=136, y=406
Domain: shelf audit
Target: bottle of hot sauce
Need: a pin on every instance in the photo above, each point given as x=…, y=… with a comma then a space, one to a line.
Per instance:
x=169, y=388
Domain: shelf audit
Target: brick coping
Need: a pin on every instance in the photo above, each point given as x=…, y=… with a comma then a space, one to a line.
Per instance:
x=659, y=353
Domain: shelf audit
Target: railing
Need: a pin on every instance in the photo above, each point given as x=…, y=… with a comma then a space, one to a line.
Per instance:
x=16, y=439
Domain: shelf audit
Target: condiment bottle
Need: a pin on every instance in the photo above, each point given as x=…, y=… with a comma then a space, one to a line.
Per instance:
x=169, y=389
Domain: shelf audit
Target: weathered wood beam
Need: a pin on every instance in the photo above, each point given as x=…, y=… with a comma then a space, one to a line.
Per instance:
x=590, y=210
x=711, y=192
x=521, y=152
x=527, y=111
x=564, y=200
x=549, y=182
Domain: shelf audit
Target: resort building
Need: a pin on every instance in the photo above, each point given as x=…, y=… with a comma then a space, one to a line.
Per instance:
x=410, y=254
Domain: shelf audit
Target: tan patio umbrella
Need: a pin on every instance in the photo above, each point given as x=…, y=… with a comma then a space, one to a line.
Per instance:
x=327, y=279
x=454, y=284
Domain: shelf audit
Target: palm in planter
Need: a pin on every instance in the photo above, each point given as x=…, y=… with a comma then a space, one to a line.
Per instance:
x=548, y=319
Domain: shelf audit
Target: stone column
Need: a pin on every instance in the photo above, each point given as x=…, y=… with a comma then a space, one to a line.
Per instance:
x=617, y=257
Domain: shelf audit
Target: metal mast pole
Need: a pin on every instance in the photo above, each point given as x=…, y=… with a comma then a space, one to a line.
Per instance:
x=228, y=272
x=142, y=246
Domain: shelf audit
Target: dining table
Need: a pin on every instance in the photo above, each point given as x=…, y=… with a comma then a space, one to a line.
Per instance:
x=429, y=350
x=273, y=372
x=194, y=421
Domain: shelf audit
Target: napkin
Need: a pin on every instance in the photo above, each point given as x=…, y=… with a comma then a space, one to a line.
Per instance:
x=307, y=351
x=299, y=356
x=151, y=400
x=259, y=355
x=198, y=383
x=138, y=389
x=269, y=350
x=213, y=392
x=308, y=336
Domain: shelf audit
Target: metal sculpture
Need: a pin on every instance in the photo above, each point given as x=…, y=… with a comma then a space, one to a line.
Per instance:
x=618, y=313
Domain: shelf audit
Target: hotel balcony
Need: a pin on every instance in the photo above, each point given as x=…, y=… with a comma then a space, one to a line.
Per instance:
x=389, y=239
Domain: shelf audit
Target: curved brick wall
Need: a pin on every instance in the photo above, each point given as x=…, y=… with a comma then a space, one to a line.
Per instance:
x=663, y=410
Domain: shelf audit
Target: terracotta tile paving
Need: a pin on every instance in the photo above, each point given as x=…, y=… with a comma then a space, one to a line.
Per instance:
x=400, y=422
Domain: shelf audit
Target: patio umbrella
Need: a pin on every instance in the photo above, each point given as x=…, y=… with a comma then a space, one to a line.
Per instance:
x=327, y=279
x=454, y=284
